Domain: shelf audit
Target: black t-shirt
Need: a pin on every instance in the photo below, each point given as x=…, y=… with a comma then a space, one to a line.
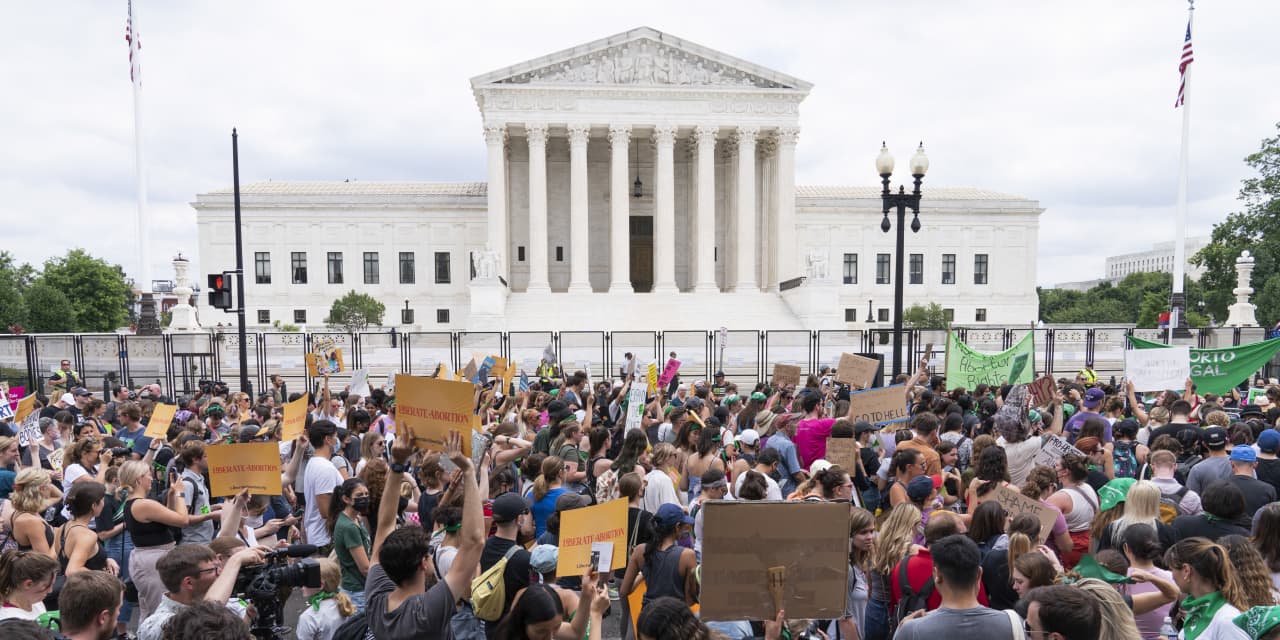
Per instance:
x=515, y=578
x=1268, y=471
x=1202, y=526
x=1257, y=494
x=1173, y=429
x=1097, y=479
x=995, y=578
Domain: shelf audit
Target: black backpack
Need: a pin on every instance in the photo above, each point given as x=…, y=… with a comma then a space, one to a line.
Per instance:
x=910, y=601
x=355, y=627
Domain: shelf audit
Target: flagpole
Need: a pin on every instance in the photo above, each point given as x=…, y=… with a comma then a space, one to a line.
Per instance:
x=1178, y=301
x=148, y=321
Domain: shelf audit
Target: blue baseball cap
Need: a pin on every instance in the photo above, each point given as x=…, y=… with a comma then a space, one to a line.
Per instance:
x=1269, y=441
x=670, y=515
x=1244, y=453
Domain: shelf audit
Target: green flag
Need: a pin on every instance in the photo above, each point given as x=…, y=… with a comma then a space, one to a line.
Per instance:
x=969, y=368
x=1218, y=370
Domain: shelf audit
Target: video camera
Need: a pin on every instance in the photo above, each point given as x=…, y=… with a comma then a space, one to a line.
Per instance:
x=213, y=387
x=261, y=584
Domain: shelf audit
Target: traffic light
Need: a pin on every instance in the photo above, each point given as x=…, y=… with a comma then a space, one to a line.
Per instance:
x=220, y=291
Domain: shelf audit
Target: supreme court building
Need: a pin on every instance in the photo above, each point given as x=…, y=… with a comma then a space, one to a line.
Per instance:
x=640, y=181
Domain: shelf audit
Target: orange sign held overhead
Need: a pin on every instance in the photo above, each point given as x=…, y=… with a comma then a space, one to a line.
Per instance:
x=580, y=527
x=434, y=407
x=295, y=419
x=235, y=467
x=161, y=419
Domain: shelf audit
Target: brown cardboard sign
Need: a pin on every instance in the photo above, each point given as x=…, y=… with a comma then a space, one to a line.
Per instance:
x=1042, y=391
x=744, y=540
x=784, y=374
x=1015, y=503
x=879, y=406
x=856, y=371
x=843, y=452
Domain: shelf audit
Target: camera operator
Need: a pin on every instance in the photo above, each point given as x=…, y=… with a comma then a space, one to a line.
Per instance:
x=88, y=605
x=190, y=574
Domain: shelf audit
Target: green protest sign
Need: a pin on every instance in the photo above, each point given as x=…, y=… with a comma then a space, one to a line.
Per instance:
x=968, y=368
x=1218, y=370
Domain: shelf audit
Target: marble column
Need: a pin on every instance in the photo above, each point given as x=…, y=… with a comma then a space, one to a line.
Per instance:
x=705, y=273
x=537, y=136
x=495, y=136
x=664, y=211
x=746, y=213
x=784, y=232
x=579, y=272
x=620, y=212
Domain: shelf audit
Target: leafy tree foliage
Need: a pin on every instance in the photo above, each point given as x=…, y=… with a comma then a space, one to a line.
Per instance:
x=929, y=316
x=97, y=291
x=1139, y=299
x=13, y=308
x=355, y=312
x=49, y=310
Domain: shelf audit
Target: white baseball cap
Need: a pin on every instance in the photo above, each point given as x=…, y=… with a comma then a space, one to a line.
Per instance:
x=67, y=398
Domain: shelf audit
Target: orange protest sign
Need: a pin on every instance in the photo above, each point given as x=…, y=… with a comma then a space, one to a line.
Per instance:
x=235, y=467
x=580, y=527
x=295, y=419
x=325, y=361
x=434, y=407
x=499, y=369
x=161, y=419
x=25, y=407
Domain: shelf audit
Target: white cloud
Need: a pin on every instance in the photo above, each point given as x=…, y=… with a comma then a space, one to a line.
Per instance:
x=1068, y=103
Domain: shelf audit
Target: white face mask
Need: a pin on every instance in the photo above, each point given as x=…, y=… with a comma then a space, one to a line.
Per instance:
x=254, y=522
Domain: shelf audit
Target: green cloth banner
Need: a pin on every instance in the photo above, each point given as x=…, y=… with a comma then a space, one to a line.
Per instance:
x=969, y=368
x=1218, y=370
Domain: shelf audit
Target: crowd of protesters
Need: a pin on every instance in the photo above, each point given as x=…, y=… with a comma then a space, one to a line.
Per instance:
x=1165, y=520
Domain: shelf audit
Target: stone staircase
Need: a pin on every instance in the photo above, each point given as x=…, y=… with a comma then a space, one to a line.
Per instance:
x=757, y=310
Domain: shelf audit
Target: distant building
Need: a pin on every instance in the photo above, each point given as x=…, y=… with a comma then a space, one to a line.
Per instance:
x=1159, y=258
x=1080, y=285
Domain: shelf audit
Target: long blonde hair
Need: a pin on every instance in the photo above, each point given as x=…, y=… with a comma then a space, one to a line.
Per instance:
x=331, y=579
x=1141, y=506
x=896, y=534
x=132, y=472
x=1117, y=617
x=26, y=495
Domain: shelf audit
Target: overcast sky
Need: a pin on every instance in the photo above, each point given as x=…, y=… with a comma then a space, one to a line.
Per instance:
x=1068, y=103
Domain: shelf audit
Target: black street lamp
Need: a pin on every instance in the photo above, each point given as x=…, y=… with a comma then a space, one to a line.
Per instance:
x=902, y=201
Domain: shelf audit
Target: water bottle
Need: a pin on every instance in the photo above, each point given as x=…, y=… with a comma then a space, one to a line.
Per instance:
x=1167, y=630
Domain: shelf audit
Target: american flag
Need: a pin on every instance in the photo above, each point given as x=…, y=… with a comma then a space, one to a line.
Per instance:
x=1186, y=61
x=135, y=45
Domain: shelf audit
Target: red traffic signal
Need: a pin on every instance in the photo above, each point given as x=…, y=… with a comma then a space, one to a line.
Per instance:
x=220, y=291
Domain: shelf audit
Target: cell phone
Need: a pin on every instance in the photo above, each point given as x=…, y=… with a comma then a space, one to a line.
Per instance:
x=297, y=513
x=173, y=476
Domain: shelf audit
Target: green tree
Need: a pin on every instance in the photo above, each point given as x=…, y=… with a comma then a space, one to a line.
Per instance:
x=13, y=309
x=1138, y=299
x=96, y=290
x=919, y=316
x=355, y=312
x=49, y=310
x=1256, y=227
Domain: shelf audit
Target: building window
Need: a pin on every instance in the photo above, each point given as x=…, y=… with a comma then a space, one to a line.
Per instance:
x=980, y=268
x=948, y=268
x=264, y=316
x=407, y=273
x=850, y=315
x=949, y=315
x=559, y=254
x=298, y=259
x=335, y=267
x=882, y=315
x=851, y=268
x=442, y=268
x=371, y=275
x=519, y=254
x=299, y=316
x=442, y=316
x=916, y=268
x=980, y=315
x=882, y=268
x=262, y=267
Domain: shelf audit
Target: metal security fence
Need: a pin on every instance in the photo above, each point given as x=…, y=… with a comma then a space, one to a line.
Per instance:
x=178, y=362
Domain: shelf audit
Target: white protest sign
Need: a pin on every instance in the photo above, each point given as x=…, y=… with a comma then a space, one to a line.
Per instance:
x=1158, y=369
x=360, y=383
x=1052, y=450
x=635, y=406
x=29, y=431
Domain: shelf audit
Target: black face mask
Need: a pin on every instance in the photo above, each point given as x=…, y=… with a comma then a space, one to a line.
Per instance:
x=361, y=505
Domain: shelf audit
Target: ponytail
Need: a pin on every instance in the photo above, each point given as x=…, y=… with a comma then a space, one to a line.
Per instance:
x=17, y=567
x=1022, y=530
x=345, y=606
x=1212, y=563
x=1232, y=590
x=551, y=467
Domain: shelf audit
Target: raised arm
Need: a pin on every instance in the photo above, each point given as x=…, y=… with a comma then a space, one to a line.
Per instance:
x=400, y=452
x=1055, y=425
x=1139, y=411
x=471, y=535
x=296, y=454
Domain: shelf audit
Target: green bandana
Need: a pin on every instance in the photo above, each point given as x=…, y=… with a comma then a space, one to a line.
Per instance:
x=1258, y=620
x=1089, y=568
x=315, y=600
x=453, y=528
x=1200, y=612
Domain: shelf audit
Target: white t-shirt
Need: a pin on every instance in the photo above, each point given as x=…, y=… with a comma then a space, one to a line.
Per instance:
x=1021, y=456
x=774, y=492
x=321, y=478
x=37, y=610
x=69, y=476
x=1221, y=627
x=659, y=491
x=319, y=624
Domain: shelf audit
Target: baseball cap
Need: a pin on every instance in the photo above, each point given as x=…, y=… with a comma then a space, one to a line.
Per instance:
x=568, y=501
x=1093, y=398
x=719, y=374
x=1114, y=492
x=862, y=426
x=67, y=398
x=756, y=395
x=818, y=465
x=751, y=437
x=1214, y=437
x=249, y=432
x=670, y=515
x=543, y=558
x=508, y=507
x=921, y=486
x=1269, y=441
x=1244, y=454
x=81, y=391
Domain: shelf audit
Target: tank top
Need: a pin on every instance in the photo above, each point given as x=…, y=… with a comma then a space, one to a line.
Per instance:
x=662, y=574
x=145, y=534
x=95, y=562
x=1082, y=509
x=48, y=531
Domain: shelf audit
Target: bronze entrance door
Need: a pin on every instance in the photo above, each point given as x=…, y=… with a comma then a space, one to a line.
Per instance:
x=642, y=253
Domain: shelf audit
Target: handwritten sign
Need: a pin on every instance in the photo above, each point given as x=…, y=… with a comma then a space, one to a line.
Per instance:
x=635, y=406
x=29, y=430
x=14, y=395
x=1042, y=391
x=1052, y=449
x=236, y=467
x=744, y=540
x=668, y=372
x=879, y=406
x=161, y=420
x=433, y=408
x=784, y=374
x=843, y=452
x=295, y=419
x=1158, y=369
x=856, y=371
x=580, y=528
x=359, y=383
x=1015, y=503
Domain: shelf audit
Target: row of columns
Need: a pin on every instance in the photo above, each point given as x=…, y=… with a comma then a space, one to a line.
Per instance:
x=664, y=136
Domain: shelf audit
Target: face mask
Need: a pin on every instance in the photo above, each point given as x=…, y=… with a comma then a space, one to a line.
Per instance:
x=361, y=505
x=253, y=522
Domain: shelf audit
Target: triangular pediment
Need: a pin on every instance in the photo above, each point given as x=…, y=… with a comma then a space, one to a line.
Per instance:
x=641, y=57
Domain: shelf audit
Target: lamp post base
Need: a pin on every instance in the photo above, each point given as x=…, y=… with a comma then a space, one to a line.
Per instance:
x=1178, y=305
x=148, y=319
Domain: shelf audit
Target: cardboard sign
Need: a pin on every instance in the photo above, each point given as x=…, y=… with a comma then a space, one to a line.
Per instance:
x=325, y=361
x=235, y=467
x=524, y=382
x=743, y=540
x=1158, y=369
x=784, y=374
x=434, y=407
x=295, y=419
x=1015, y=504
x=161, y=420
x=1042, y=391
x=29, y=430
x=879, y=406
x=856, y=371
x=499, y=368
x=635, y=406
x=24, y=408
x=668, y=372
x=580, y=528
x=359, y=383
x=843, y=452
x=1052, y=449
x=469, y=372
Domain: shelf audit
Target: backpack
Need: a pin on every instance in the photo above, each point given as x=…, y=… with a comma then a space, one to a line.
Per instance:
x=355, y=627
x=1126, y=460
x=910, y=601
x=1170, y=505
x=489, y=591
x=1184, y=467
